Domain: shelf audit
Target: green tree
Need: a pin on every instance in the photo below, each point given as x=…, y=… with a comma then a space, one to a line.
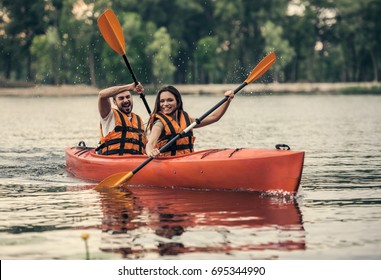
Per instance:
x=275, y=42
x=137, y=34
x=238, y=28
x=208, y=41
x=205, y=60
x=45, y=48
x=186, y=22
x=160, y=52
x=27, y=19
x=359, y=28
x=372, y=32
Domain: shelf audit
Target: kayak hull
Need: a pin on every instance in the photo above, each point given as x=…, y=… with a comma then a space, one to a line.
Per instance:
x=226, y=169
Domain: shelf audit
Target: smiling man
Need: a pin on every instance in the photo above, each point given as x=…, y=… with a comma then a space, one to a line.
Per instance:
x=121, y=131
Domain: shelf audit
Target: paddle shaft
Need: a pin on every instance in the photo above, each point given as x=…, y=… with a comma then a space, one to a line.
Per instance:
x=130, y=69
x=200, y=119
x=142, y=96
x=188, y=128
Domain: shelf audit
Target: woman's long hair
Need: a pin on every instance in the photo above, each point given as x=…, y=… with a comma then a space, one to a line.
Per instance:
x=156, y=109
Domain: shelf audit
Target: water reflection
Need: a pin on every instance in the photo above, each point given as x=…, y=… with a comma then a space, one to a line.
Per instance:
x=156, y=222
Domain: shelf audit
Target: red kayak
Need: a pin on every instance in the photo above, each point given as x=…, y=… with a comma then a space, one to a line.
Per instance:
x=219, y=169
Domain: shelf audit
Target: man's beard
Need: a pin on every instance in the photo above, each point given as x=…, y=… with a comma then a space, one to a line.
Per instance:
x=126, y=109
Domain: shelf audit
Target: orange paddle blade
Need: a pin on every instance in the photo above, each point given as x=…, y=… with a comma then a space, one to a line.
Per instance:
x=111, y=31
x=261, y=68
x=115, y=180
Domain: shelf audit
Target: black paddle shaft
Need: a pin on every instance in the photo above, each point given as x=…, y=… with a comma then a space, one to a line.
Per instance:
x=200, y=119
x=142, y=96
x=130, y=69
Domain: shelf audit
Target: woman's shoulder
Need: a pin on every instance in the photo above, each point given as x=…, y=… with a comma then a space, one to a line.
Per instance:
x=158, y=123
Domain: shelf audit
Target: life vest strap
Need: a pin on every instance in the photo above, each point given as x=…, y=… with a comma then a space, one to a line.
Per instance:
x=169, y=137
x=119, y=141
x=126, y=151
x=180, y=147
x=127, y=129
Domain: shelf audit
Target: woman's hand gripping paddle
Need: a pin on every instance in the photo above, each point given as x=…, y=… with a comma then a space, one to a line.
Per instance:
x=121, y=178
x=112, y=32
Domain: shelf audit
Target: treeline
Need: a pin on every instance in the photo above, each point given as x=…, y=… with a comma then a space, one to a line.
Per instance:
x=190, y=41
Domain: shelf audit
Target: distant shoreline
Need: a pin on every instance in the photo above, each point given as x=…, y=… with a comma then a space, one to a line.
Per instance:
x=203, y=89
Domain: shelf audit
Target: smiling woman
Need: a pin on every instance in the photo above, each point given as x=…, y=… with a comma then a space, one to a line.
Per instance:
x=169, y=119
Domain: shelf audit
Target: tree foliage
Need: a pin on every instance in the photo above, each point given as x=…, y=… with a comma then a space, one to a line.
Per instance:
x=160, y=52
x=274, y=37
x=58, y=41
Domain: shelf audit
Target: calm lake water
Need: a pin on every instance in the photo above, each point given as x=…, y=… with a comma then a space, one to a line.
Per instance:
x=336, y=214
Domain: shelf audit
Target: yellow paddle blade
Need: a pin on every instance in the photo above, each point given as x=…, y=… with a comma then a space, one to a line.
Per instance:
x=261, y=67
x=115, y=180
x=111, y=31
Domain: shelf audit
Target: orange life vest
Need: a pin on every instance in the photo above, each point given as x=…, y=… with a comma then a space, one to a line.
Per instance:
x=127, y=137
x=183, y=145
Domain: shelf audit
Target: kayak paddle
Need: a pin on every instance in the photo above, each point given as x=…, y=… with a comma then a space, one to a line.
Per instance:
x=122, y=177
x=112, y=32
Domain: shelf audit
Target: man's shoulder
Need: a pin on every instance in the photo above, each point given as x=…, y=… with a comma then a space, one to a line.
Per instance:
x=109, y=116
